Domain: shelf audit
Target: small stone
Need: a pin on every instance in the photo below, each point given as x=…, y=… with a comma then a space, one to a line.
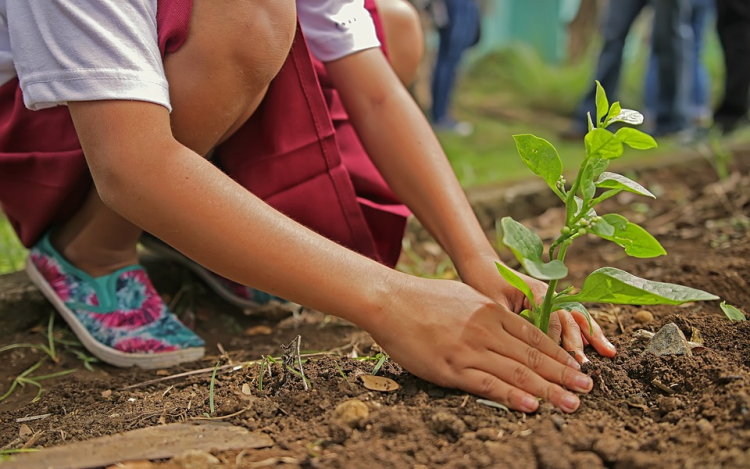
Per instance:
x=704, y=426
x=669, y=341
x=195, y=459
x=351, y=413
x=644, y=317
x=25, y=431
x=444, y=422
x=106, y=394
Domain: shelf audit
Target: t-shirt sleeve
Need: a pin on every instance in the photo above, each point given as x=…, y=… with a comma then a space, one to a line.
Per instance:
x=85, y=50
x=336, y=28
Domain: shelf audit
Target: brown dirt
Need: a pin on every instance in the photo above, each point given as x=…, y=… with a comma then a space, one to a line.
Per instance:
x=669, y=412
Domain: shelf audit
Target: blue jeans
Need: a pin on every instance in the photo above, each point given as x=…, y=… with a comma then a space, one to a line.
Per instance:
x=671, y=44
x=699, y=85
x=456, y=37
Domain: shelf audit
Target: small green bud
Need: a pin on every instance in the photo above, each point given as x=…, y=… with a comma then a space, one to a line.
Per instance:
x=582, y=231
x=584, y=222
x=565, y=230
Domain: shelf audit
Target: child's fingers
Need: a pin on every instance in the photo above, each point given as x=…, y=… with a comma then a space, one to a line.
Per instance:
x=571, y=336
x=521, y=377
x=489, y=386
x=520, y=328
x=554, y=331
x=543, y=367
x=597, y=339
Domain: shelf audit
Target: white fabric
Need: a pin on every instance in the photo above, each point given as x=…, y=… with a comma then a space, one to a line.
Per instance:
x=83, y=50
x=336, y=28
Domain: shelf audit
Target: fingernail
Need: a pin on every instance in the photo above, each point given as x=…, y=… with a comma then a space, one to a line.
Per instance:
x=583, y=382
x=585, y=359
x=573, y=363
x=610, y=347
x=570, y=402
x=529, y=404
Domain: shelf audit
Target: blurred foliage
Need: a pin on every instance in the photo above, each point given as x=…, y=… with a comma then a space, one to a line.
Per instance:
x=12, y=254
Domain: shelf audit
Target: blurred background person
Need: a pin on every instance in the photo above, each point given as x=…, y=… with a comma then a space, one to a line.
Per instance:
x=699, y=106
x=733, y=24
x=458, y=25
x=672, y=43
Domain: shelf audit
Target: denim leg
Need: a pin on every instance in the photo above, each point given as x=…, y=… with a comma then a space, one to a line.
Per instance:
x=618, y=20
x=703, y=11
x=733, y=23
x=699, y=89
x=673, y=45
x=460, y=34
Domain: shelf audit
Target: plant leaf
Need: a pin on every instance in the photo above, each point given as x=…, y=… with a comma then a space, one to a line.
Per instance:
x=588, y=189
x=610, y=285
x=602, y=104
x=614, y=111
x=602, y=229
x=524, y=243
x=732, y=313
x=513, y=278
x=617, y=181
x=541, y=157
x=599, y=165
x=627, y=116
x=604, y=144
x=636, y=139
x=636, y=241
x=553, y=270
x=576, y=307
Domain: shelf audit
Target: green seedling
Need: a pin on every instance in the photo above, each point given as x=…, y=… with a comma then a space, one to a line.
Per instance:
x=25, y=378
x=592, y=185
x=733, y=313
x=379, y=364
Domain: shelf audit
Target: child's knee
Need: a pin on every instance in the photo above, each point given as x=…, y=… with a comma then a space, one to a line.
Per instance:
x=261, y=36
x=403, y=36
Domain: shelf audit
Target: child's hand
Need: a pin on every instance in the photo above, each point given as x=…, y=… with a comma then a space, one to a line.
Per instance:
x=448, y=333
x=570, y=328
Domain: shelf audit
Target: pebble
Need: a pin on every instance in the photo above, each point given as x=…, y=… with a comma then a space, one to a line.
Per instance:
x=704, y=426
x=644, y=317
x=669, y=341
x=351, y=413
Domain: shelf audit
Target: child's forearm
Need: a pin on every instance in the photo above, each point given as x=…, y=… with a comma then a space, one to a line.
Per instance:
x=172, y=192
x=400, y=141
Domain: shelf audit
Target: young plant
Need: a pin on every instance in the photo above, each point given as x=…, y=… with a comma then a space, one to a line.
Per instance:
x=592, y=185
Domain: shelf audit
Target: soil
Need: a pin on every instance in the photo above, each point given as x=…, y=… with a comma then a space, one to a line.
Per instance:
x=644, y=411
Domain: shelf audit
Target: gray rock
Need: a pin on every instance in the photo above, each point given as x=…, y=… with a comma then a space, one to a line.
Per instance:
x=669, y=341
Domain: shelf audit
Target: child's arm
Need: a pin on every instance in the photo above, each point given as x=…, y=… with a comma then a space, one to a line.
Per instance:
x=443, y=331
x=404, y=148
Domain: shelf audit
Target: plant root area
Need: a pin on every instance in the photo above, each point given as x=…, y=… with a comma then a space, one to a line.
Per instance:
x=644, y=412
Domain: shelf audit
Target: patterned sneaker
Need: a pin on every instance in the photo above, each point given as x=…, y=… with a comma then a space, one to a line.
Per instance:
x=119, y=318
x=235, y=293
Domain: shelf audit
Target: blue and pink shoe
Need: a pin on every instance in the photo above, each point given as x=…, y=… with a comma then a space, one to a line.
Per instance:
x=239, y=295
x=119, y=318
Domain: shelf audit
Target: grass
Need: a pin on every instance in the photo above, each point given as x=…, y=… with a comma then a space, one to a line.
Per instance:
x=12, y=253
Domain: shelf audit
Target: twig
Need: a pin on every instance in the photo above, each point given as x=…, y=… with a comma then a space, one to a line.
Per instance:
x=30, y=419
x=224, y=417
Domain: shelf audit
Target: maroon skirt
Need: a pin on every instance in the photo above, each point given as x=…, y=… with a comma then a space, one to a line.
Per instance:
x=298, y=152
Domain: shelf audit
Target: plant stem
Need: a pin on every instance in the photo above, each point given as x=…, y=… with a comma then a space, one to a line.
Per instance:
x=547, y=304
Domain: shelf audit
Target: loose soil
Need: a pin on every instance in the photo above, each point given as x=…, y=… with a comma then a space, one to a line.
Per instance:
x=644, y=411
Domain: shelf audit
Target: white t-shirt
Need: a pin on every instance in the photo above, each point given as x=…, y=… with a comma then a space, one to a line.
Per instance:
x=83, y=50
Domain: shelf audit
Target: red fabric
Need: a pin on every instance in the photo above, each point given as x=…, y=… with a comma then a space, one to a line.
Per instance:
x=298, y=152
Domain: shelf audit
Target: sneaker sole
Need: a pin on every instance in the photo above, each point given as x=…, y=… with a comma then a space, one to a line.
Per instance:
x=170, y=254
x=107, y=354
